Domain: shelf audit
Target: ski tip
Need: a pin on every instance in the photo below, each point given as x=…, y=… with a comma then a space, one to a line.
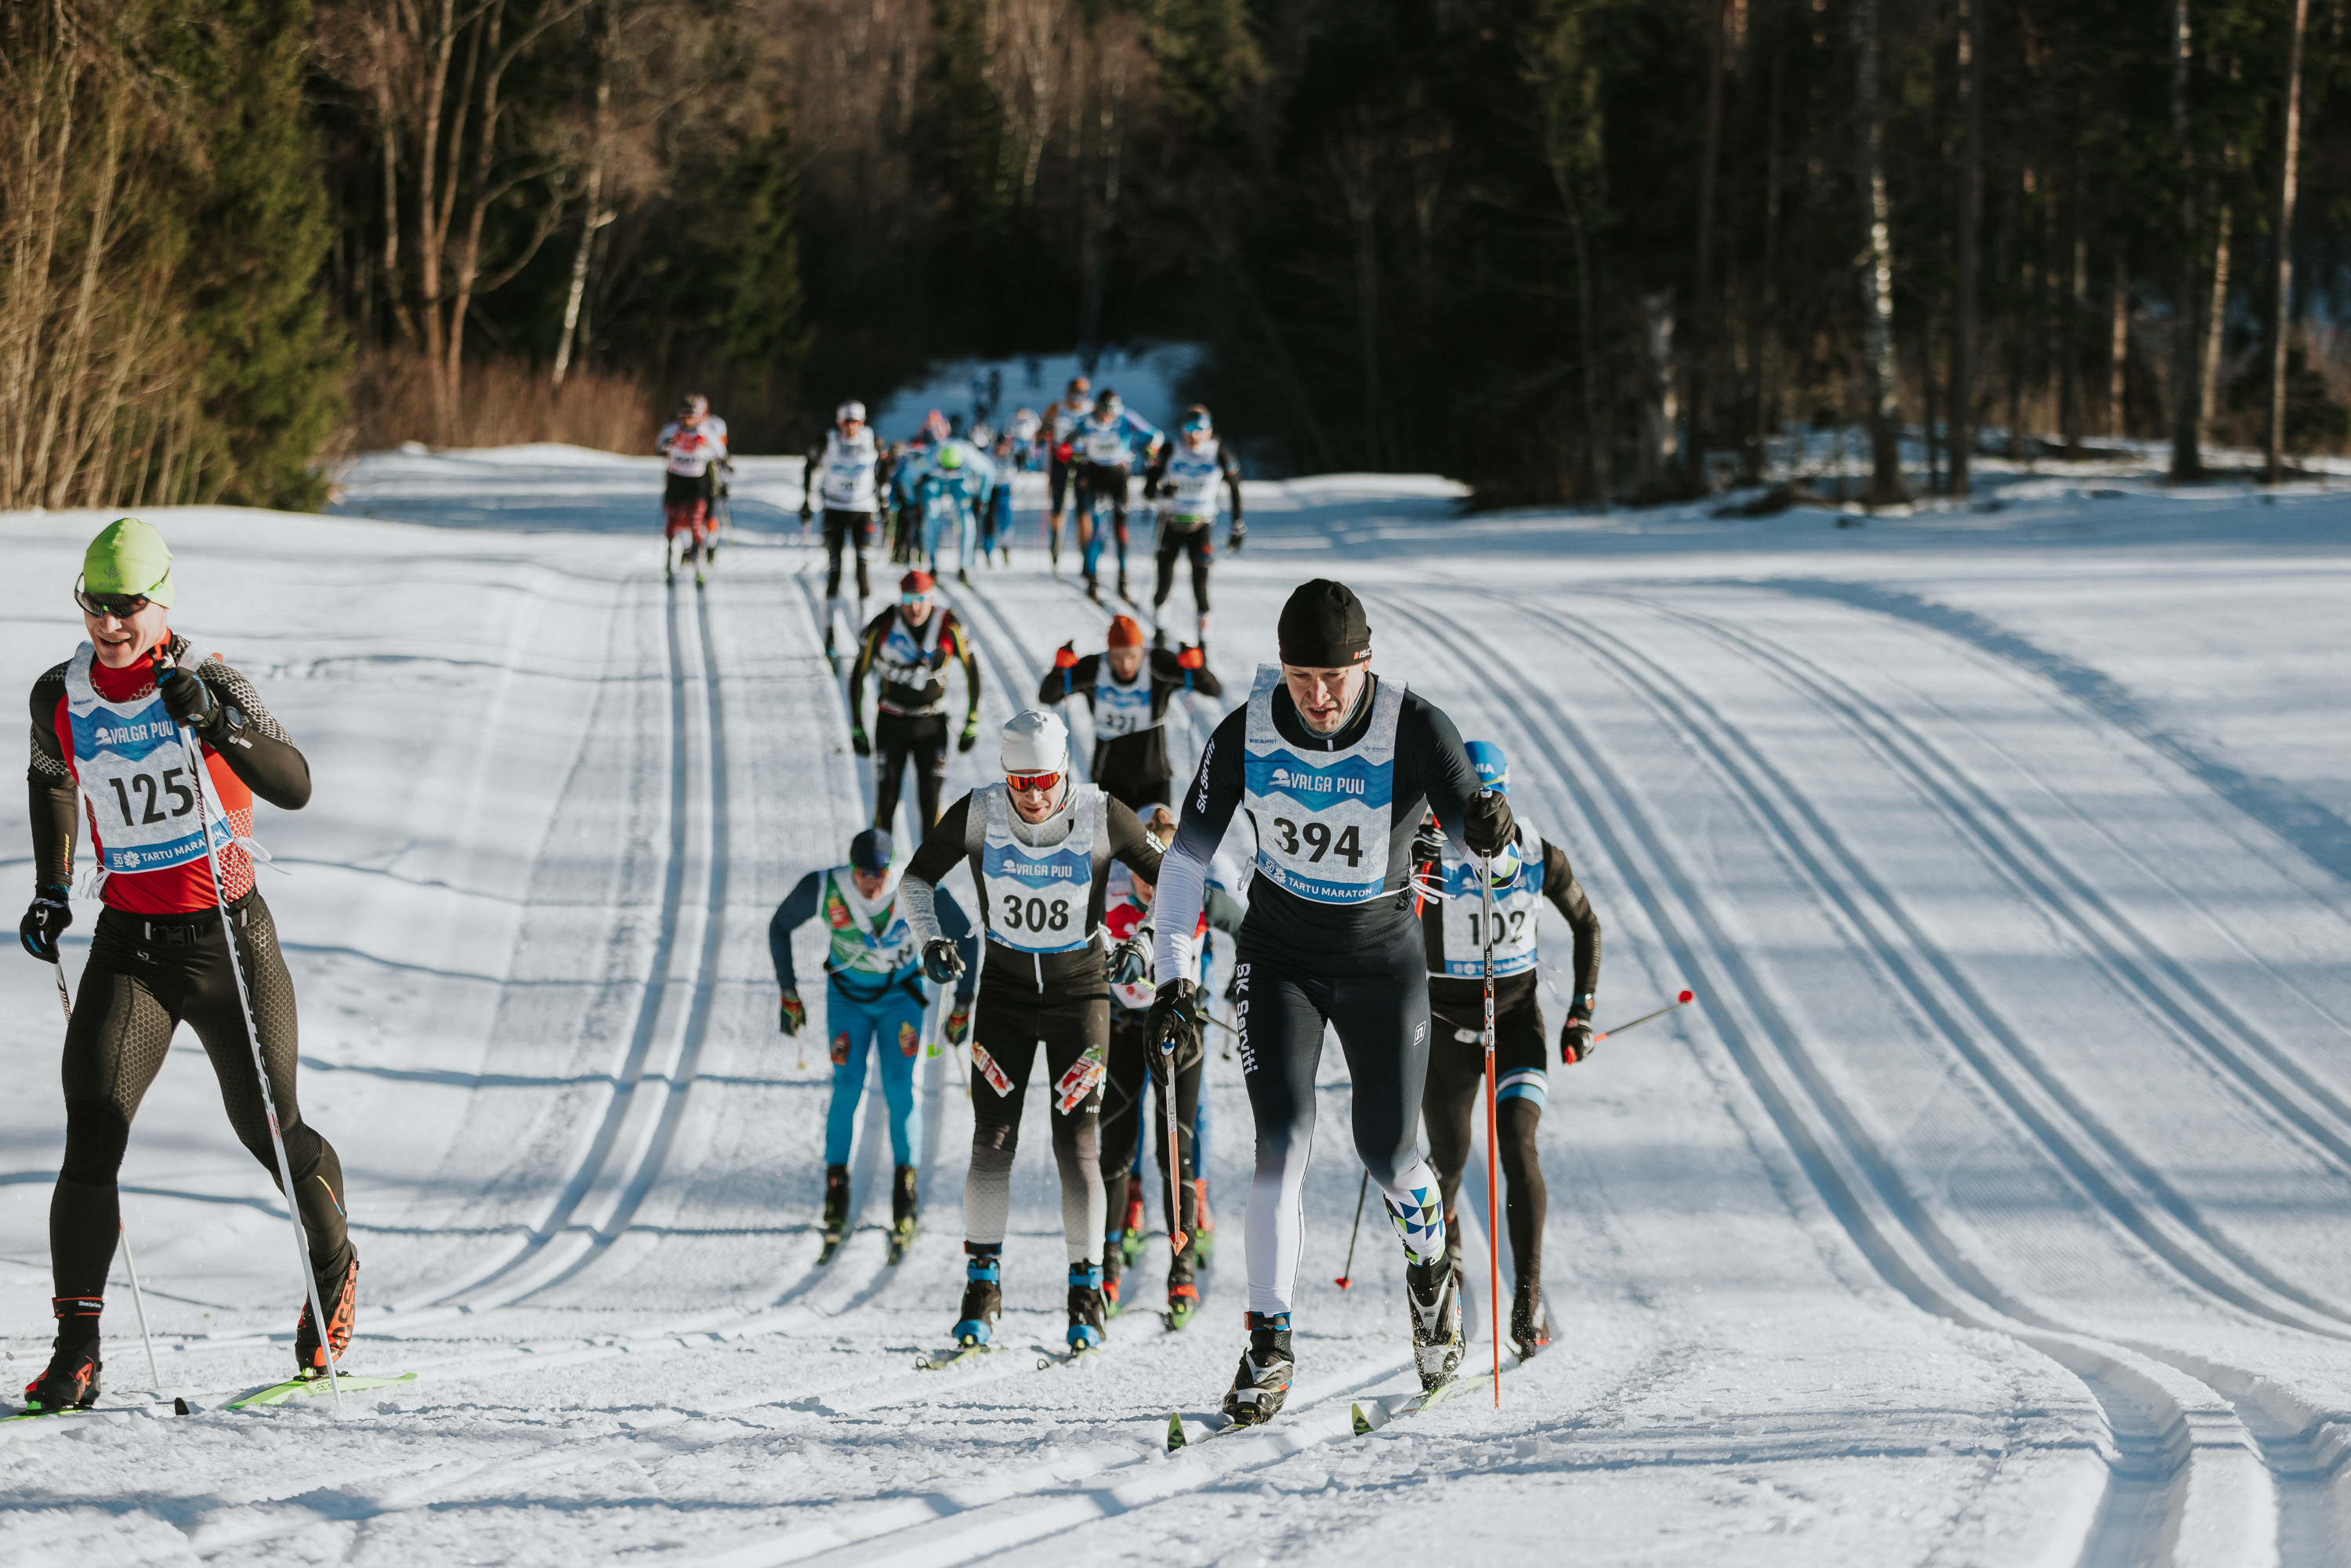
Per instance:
x=179, y=1405
x=1361, y=1422
x=1174, y=1431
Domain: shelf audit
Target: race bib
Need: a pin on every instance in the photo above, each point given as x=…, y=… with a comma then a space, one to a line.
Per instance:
x=1322, y=817
x=136, y=779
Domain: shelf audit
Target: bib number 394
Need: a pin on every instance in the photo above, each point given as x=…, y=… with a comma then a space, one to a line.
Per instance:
x=148, y=798
x=1033, y=913
x=1315, y=837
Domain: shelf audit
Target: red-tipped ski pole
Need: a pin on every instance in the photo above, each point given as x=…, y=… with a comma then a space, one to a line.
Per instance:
x=1347, y=1275
x=1681, y=1000
x=1493, y=1188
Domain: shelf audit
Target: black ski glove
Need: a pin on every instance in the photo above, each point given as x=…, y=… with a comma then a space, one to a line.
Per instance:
x=1576, y=1034
x=1486, y=823
x=941, y=962
x=805, y=513
x=191, y=702
x=970, y=735
x=857, y=741
x=1129, y=960
x=793, y=1013
x=1175, y=1017
x=45, y=922
x=1233, y=540
x=1428, y=844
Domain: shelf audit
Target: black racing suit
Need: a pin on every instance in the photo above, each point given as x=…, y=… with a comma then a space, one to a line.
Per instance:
x=1300, y=965
x=911, y=721
x=1134, y=768
x=1457, y=1062
x=1059, y=1001
x=149, y=973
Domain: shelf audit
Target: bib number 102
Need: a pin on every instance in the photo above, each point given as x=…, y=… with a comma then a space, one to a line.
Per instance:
x=153, y=794
x=1035, y=914
x=1316, y=837
x=1509, y=926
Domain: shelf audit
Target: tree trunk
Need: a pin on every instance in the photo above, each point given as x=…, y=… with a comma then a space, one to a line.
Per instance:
x=1963, y=323
x=1698, y=341
x=2187, y=416
x=1886, y=487
x=2216, y=329
x=2069, y=339
x=1355, y=162
x=593, y=217
x=2280, y=291
x=2117, y=349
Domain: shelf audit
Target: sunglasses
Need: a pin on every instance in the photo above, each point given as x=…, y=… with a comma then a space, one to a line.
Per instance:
x=1020, y=782
x=122, y=606
x=911, y=599
x=1196, y=426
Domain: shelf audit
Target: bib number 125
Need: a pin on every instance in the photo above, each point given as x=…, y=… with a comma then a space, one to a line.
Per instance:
x=152, y=793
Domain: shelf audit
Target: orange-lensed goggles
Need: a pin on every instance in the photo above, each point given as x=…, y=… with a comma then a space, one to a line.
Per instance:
x=1017, y=782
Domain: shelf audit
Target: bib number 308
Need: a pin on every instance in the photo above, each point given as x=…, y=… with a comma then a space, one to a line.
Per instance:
x=1035, y=914
x=153, y=794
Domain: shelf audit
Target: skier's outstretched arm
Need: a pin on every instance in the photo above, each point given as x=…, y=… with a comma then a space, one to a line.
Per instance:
x=252, y=742
x=918, y=889
x=1566, y=895
x=956, y=927
x=50, y=798
x=1450, y=783
x=1210, y=801
x=868, y=648
x=1129, y=843
x=1064, y=680
x=797, y=909
x=967, y=652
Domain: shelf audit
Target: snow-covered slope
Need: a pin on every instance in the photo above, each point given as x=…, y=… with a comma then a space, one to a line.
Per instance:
x=1988, y=1208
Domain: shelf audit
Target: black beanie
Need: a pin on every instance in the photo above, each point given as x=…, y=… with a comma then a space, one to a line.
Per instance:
x=1323, y=627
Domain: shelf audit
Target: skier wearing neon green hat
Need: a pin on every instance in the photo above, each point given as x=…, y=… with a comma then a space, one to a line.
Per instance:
x=109, y=754
x=950, y=494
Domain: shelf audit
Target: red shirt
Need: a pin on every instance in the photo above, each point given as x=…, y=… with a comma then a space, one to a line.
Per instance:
x=185, y=888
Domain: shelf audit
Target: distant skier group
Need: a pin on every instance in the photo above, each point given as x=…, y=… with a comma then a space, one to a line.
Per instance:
x=1392, y=895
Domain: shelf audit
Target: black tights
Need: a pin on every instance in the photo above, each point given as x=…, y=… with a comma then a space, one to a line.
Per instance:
x=1455, y=1099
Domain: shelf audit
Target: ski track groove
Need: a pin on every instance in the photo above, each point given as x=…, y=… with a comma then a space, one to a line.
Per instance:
x=2211, y=1500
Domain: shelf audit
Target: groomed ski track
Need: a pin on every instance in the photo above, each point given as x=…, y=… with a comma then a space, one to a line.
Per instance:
x=1986, y=1210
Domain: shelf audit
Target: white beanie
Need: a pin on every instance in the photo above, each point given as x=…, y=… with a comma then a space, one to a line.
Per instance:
x=1035, y=742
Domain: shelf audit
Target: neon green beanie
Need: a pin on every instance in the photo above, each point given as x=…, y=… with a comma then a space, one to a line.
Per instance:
x=129, y=557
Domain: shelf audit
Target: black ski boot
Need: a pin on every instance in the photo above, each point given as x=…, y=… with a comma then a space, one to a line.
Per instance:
x=1123, y=592
x=1093, y=588
x=905, y=1216
x=1159, y=639
x=71, y=1381
x=1086, y=1318
x=1263, y=1382
x=983, y=1294
x=836, y=1210
x=1530, y=1321
x=1182, y=1291
x=1433, y=1292
x=339, y=1290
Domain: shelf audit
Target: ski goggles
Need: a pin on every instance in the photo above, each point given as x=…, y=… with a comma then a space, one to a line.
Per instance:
x=912, y=600
x=1020, y=782
x=122, y=606
x=1196, y=426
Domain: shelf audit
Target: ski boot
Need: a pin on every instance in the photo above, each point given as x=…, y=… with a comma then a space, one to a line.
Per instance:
x=1433, y=1292
x=963, y=577
x=1263, y=1382
x=1123, y=592
x=904, y=1215
x=1530, y=1323
x=341, y=1292
x=1093, y=588
x=71, y=1381
x=1159, y=639
x=1085, y=1306
x=983, y=1294
x=1183, y=1293
x=1204, y=1240
x=1113, y=1257
x=836, y=1211
x=1135, y=1237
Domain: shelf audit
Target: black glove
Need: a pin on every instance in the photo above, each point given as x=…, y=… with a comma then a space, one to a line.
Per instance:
x=45, y=922
x=1151, y=489
x=191, y=702
x=1428, y=844
x=1233, y=540
x=805, y=513
x=1129, y=960
x=858, y=743
x=941, y=962
x=1486, y=823
x=792, y=1014
x=1575, y=1039
x=970, y=735
x=1174, y=1019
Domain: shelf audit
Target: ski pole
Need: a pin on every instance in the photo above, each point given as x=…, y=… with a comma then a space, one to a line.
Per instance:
x=1681, y=1000
x=139, y=1302
x=195, y=756
x=1493, y=1188
x=1176, y=1236
x=65, y=999
x=1346, y=1275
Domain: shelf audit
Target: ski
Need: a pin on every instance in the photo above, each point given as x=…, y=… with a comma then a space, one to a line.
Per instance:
x=955, y=1357
x=311, y=1387
x=1175, y=1317
x=902, y=1237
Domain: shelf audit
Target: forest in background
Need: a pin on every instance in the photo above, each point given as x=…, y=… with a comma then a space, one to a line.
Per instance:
x=1565, y=250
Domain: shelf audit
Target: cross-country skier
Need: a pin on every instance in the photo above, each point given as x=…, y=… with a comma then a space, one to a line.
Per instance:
x=1184, y=478
x=907, y=647
x=1058, y=430
x=106, y=740
x=873, y=1000
x=996, y=527
x=1040, y=845
x=843, y=471
x=1023, y=430
x=1111, y=445
x=694, y=443
x=1127, y=916
x=1130, y=705
x=1528, y=870
x=1334, y=765
x=950, y=496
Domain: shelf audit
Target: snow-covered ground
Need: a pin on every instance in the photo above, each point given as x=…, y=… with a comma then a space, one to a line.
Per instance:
x=1988, y=1208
